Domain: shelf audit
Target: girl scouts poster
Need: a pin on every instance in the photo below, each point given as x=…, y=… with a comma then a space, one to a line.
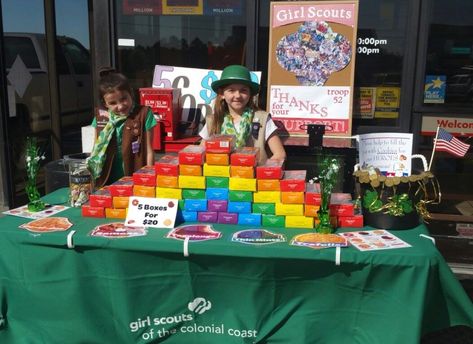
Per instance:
x=311, y=65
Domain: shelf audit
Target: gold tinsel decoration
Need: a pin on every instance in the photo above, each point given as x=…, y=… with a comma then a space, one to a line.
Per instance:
x=427, y=191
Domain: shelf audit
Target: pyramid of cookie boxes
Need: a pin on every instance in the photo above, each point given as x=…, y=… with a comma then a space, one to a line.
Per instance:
x=216, y=183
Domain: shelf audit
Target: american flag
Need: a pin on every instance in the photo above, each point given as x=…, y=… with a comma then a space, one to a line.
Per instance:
x=445, y=142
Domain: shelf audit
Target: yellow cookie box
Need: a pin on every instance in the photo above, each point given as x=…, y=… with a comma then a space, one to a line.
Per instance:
x=167, y=181
x=242, y=184
x=299, y=221
x=190, y=170
x=292, y=197
x=173, y=193
x=267, y=197
x=217, y=159
x=120, y=202
x=144, y=191
x=268, y=185
x=311, y=210
x=216, y=170
x=289, y=209
x=192, y=182
x=115, y=213
x=242, y=171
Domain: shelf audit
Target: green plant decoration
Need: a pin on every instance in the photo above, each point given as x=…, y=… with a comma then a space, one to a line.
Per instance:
x=32, y=159
x=329, y=168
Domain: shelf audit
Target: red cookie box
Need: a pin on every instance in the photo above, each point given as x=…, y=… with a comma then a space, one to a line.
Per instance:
x=312, y=194
x=192, y=155
x=220, y=144
x=90, y=211
x=245, y=156
x=271, y=169
x=355, y=221
x=341, y=204
x=145, y=176
x=167, y=165
x=122, y=187
x=293, y=181
x=101, y=198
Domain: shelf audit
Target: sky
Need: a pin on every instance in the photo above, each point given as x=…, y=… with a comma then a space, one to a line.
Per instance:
x=28, y=16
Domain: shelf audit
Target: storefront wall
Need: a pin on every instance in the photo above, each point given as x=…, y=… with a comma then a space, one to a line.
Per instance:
x=402, y=46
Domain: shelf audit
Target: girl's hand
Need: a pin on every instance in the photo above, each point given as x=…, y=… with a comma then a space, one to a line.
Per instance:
x=276, y=147
x=149, y=148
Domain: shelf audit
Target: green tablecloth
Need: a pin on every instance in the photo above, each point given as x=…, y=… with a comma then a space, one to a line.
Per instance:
x=143, y=289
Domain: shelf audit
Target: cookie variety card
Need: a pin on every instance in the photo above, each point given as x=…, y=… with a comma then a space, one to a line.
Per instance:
x=378, y=239
x=117, y=230
x=48, y=224
x=194, y=233
x=24, y=212
x=319, y=240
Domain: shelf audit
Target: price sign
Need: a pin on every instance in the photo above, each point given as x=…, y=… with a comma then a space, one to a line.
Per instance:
x=151, y=212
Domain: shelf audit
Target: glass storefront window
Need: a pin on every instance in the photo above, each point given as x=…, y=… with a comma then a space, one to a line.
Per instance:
x=208, y=34
x=28, y=82
x=381, y=46
x=73, y=64
x=450, y=54
x=28, y=86
x=448, y=92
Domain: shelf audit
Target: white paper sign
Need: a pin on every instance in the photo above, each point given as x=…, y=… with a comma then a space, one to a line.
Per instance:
x=151, y=212
x=391, y=153
x=327, y=102
x=297, y=106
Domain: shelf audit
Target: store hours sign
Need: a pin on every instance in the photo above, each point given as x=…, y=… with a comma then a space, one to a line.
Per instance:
x=312, y=50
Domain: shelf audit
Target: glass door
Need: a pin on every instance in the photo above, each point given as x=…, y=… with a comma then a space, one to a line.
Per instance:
x=28, y=83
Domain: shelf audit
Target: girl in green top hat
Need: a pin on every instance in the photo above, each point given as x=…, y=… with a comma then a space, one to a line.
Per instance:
x=236, y=113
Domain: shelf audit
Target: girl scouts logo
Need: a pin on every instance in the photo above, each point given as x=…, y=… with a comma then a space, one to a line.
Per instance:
x=199, y=305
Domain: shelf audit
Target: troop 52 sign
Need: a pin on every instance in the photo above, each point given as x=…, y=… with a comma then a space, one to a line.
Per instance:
x=311, y=64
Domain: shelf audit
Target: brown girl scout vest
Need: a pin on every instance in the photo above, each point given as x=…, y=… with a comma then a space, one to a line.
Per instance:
x=257, y=136
x=133, y=131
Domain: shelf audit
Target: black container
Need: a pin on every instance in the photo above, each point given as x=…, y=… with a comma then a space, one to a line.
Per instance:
x=386, y=221
x=56, y=175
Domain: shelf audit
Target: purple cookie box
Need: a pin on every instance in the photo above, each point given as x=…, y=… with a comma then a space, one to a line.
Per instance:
x=207, y=216
x=217, y=205
x=228, y=218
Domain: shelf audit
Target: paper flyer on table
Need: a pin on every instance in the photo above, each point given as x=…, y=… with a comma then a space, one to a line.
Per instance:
x=378, y=239
x=24, y=212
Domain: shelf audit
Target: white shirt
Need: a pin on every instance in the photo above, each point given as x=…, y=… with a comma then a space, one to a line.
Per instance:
x=271, y=127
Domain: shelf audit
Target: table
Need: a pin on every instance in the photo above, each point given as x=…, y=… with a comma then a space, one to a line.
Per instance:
x=143, y=289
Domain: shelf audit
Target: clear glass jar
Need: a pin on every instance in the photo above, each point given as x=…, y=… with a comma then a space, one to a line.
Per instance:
x=80, y=183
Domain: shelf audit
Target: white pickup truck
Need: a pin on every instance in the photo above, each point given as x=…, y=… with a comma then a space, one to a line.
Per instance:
x=27, y=75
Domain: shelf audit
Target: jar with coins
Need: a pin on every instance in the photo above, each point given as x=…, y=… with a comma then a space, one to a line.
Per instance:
x=80, y=183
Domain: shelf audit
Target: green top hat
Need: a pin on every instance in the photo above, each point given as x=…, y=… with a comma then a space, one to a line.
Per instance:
x=236, y=74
